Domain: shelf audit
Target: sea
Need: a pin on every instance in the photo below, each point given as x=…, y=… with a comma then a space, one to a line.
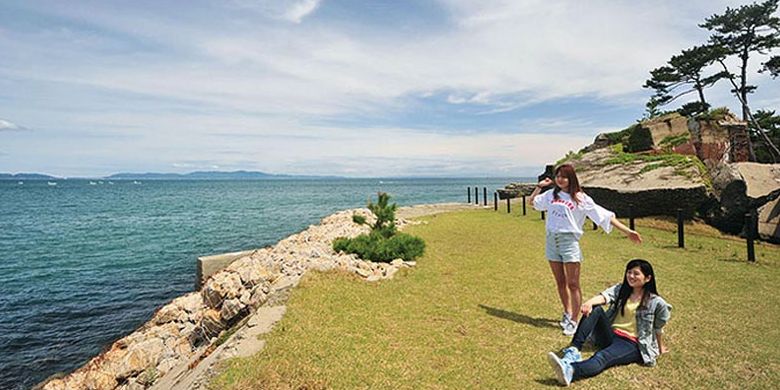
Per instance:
x=85, y=262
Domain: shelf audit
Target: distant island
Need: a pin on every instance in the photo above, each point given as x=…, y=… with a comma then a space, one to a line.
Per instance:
x=198, y=175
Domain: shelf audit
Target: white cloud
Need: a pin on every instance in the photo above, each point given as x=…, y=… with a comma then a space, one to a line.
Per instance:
x=6, y=125
x=300, y=10
x=290, y=10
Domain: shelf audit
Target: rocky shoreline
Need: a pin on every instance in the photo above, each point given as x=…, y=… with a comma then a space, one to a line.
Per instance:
x=179, y=346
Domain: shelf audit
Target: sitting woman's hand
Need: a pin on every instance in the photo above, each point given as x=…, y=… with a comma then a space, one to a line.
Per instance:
x=586, y=308
x=664, y=349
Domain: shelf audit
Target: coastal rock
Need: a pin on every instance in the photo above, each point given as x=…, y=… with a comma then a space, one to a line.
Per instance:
x=98, y=380
x=168, y=313
x=221, y=286
x=139, y=357
x=210, y=325
x=230, y=308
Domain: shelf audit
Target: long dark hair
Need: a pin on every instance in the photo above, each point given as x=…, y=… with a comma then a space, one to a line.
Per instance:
x=649, y=287
x=567, y=171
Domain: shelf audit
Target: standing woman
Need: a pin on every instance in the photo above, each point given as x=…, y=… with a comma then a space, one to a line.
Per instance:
x=567, y=206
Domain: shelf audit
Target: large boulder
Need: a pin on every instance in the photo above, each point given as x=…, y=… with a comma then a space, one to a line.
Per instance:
x=642, y=188
x=516, y=190
x=769, y=221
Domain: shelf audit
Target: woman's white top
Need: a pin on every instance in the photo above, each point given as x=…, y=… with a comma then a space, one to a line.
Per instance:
x=564, y=215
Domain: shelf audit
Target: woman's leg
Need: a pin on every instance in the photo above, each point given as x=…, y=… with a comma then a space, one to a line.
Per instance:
x=560, y=283
x=620, y=352
x=598, y=324
x=572, y=272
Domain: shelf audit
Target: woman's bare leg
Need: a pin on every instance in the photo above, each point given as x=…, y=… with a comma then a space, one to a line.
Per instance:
x=560, y=282
x=572, y=282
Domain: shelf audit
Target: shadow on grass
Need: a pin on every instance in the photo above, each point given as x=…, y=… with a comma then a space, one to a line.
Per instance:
x=521, y=318
x=548, y=382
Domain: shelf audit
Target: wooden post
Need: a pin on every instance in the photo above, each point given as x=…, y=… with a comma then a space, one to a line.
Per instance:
x=508, y=206
x=495, y=201
x=680, y=229
x=476, y=196
x=749, y=235
x=484, y=196
x=523, y=204
x=468, y=191
x=631, y=216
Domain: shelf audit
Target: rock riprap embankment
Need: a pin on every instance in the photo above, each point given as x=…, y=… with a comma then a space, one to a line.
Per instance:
x=183, y=332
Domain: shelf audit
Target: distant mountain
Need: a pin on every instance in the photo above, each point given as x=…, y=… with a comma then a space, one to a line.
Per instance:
x=25, y=176
x=211, y=175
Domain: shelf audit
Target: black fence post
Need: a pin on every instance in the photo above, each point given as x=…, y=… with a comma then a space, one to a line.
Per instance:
x=631, y=216
x=508, y=206
x=468, y=191
x=680, y=229
x=484, y=196
x=495, y=201
x=542, y=215
x=523, y=204
x=749, y=235
x=476, y=196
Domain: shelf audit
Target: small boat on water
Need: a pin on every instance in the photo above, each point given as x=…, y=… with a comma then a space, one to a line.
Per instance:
x=21, y=182
x=136, y=182
x=92, y=183
x=111, y=182
x=51, y=183
x=100, y=181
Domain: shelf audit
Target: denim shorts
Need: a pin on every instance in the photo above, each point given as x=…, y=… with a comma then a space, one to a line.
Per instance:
x=563, y=247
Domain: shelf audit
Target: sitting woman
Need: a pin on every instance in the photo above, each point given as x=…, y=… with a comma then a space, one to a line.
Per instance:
x=628, y=332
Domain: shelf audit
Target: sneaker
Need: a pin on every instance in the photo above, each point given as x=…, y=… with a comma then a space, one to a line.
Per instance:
x=563, y=369
x=571, y=355
x=570, y=328
x=564, y=320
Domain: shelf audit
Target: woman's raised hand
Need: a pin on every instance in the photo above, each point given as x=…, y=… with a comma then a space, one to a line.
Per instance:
x=545, y=182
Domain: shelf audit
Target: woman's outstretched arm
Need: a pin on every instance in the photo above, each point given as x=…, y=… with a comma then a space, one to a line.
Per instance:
x=632, y=235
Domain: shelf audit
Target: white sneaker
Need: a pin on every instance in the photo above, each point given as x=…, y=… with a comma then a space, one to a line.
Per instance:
x=570, y=328
x=564, y=320
x=564, y=372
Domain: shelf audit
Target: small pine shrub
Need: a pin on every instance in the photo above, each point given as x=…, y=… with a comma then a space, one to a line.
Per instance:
x=359, y=219
x=384, y=243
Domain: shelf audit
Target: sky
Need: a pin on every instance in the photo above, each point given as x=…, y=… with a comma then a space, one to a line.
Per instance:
x=436, y=88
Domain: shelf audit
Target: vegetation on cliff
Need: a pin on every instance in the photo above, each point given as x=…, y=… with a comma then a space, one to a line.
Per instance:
x=741, y=34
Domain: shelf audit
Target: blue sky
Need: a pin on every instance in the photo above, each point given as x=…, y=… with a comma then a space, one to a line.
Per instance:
x=353, y=88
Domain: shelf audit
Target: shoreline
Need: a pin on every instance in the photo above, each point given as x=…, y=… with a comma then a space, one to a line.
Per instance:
x=180, y=344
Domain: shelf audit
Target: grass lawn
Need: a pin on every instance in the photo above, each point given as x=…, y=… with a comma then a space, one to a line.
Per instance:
x=480, y=311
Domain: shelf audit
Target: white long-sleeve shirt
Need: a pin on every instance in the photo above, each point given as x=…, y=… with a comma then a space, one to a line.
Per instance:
x=564, y=215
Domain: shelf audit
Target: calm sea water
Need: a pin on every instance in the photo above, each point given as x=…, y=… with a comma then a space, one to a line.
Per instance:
x=82, y=265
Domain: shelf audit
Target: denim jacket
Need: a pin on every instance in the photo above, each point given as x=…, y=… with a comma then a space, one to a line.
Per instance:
x=650, y=321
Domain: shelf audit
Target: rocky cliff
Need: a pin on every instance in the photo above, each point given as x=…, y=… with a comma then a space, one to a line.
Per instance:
x=697, y=164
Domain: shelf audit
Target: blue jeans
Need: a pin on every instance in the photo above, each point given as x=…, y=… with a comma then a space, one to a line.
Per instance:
x=613, y=350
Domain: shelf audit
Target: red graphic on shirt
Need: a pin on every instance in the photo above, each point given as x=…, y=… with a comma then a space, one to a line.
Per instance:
x=566, y=203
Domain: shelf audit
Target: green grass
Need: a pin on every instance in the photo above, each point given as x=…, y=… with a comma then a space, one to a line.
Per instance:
x=681, y=163
x=480, y=311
